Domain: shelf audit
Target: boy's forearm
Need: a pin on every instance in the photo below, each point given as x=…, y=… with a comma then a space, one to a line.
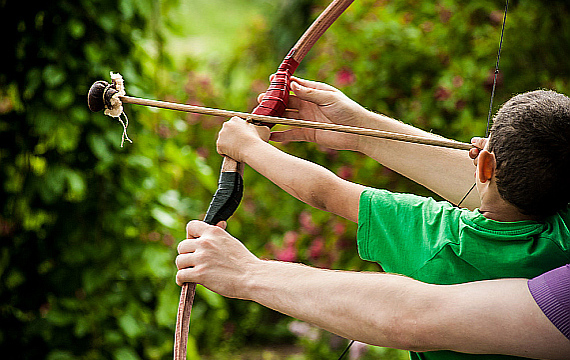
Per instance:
x=447, y=172
x=307, y=181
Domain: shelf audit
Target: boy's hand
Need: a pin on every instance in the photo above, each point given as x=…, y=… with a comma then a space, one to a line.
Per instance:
x=479, y=144
x=314, y=101
x=213, y=258
x=237, y=136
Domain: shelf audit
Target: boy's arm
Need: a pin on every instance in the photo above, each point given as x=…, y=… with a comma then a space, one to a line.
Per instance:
x=308, y=182
x=493, y=317
x=447, y=172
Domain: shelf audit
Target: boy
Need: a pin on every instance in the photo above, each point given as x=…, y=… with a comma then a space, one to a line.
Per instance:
x=519, y=229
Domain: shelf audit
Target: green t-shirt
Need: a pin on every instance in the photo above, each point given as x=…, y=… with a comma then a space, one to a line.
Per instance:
x=438, y=243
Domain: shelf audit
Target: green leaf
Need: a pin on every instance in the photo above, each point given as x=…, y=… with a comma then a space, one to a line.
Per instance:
x=100, y=147
x=164, y=217
x=60, y=98
x=60, y=355
x=129, y=325
x=76, y=28
x=53, y=76
x=125, y=354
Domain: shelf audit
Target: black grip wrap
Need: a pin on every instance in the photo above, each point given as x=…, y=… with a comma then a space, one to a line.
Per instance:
x=226, y=199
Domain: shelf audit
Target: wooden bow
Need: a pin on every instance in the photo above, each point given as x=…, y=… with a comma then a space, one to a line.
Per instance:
x=230, y=184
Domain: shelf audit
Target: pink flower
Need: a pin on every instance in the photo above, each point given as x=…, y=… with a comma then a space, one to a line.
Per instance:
x=457, y=81
x=154, y=236
x=345, y=77
x=307, y=224
x=339, y=228
x=316, y=248
x=496, y=17
x=345, y=172
x=290, y=238
x=288, y=254
x=442, y=94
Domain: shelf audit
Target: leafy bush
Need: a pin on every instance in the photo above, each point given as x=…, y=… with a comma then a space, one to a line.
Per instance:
x=88, y=229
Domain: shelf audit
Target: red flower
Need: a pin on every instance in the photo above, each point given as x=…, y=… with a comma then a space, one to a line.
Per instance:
x=442, y=94
x=339, y=228
x=288, y=254
x=290, y=238
x=345, y=77
x=316, y=248
x=345, y=172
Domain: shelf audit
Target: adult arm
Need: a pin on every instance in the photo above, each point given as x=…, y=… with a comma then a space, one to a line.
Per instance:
x=495, y=316
x=447, y=172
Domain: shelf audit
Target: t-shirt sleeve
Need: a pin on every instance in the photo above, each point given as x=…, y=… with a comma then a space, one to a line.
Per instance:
x=402, y=231
x=551, y=291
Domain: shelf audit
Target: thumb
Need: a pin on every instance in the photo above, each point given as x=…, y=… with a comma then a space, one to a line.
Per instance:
x=222, y=224
x=316, y=96
x=297, y=134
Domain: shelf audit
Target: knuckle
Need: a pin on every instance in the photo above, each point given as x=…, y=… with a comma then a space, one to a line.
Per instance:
x=207, y=243
x=198, y=272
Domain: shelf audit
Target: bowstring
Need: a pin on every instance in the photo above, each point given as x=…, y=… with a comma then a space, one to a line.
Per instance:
x=346, y=349
x=493, y=90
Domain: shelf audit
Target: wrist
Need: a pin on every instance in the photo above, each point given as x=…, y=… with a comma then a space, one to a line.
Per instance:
x=367, y=120
x=256, y=277
x=255, y=146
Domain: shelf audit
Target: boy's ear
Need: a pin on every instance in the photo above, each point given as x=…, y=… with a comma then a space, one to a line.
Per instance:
x=485, y=166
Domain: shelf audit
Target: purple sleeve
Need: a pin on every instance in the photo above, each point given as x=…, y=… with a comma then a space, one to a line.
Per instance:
x=551, y=291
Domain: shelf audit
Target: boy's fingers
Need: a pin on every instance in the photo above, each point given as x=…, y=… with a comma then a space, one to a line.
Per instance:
x=187, y=246
x=184, y=276
x=294, y=102
x=313, y=84
x=184, y=261
x=473, y=153
x=316, y=96
x=479, y=142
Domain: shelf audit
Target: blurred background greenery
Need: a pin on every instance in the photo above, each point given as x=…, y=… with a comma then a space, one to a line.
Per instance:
x=88, y=230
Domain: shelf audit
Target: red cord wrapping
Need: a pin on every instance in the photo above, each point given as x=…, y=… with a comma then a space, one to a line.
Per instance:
x=276, y=97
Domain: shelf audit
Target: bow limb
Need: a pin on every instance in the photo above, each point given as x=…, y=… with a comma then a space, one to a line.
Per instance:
x=276, y=97
x=230, y=185
x=223, y=204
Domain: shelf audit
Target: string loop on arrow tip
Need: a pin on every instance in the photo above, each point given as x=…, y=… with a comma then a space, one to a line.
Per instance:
x=114, y=107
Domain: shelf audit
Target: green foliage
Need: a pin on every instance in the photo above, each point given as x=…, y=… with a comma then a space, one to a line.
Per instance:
x=88, y=229
x=87, y=250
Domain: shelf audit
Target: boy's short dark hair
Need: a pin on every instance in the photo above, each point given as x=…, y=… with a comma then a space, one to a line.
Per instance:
x=530, y=138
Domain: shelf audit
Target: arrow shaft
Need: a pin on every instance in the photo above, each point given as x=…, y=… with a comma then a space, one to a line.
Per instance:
x=298, y=123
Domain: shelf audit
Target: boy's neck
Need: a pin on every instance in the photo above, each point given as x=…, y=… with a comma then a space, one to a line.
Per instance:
x=494, y=207
x=505, y=212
